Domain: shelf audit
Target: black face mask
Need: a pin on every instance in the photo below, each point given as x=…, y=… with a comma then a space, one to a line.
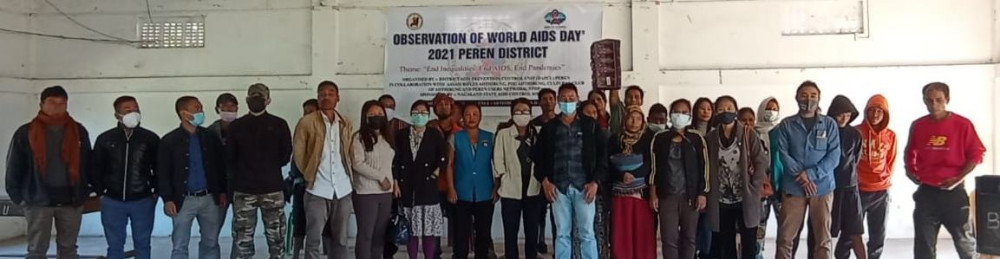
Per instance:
x=377, y=122
x=726, y=117
x=257, y=104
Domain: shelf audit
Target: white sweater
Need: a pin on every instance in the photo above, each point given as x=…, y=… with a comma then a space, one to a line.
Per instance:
x=371, y=167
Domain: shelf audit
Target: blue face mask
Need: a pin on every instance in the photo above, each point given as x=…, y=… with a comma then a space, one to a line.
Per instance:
x=197, y=119
x=726, y=117
x=420, y=120
x=567, y=108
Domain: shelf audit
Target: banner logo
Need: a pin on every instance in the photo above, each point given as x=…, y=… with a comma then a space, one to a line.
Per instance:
x=555, y=17
x=414, y=21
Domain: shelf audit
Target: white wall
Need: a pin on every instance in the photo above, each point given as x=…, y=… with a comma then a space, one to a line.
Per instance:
x=18, y=108
x=672, y=49
x=15, y=91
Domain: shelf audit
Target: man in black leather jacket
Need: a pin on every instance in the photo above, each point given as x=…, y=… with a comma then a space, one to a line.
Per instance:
x=47, y=175
x=124, y=171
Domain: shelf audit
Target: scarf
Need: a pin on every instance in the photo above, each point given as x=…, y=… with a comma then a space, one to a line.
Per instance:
x=629, y=138
x=70, y=144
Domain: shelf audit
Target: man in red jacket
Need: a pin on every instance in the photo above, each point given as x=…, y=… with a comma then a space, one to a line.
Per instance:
x=942, y=149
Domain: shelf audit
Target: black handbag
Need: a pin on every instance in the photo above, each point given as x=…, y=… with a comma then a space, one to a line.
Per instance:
x=400, y=228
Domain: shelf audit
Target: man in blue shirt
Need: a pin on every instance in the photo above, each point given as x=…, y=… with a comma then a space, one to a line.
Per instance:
x=571, y=159
x=809, y=150
x=191, y=180
x=471, y=185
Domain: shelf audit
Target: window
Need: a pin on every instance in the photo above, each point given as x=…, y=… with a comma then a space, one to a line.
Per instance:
x=176, y=32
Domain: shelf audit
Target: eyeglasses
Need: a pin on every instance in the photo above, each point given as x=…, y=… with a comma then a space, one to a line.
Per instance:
x=419, y=113
x=522, y=113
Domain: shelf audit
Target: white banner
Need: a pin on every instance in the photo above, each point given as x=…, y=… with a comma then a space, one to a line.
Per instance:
x=488, y=54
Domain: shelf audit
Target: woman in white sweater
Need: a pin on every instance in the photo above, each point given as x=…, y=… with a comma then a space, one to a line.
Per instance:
x=519, y=190
x=371, y=156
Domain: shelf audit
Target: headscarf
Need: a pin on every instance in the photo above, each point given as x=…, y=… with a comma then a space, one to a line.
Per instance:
x=629, y=138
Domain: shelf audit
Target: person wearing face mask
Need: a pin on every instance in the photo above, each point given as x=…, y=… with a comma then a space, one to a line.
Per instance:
x=258, y=146
x=123, y=164
x=735, y=154
x=569, y=166
x=809, y=147
x=191, y=180
x=633, y=233
x=416, y=170
x=679, y=184
x=395, y=123
x=228, y=109
x=519, y=192
x=767, y=118
x=658, y=118
x=374, y=186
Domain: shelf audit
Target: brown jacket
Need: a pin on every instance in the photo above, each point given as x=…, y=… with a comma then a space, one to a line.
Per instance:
x=310, y=136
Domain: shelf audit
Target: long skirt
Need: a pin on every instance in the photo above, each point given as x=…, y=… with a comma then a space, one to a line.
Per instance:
x=633, y=232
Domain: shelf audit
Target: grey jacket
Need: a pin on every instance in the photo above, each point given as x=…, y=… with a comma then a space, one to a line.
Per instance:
x=751, y=151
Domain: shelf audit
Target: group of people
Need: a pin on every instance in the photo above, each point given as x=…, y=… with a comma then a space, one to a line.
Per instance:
x=707, y=175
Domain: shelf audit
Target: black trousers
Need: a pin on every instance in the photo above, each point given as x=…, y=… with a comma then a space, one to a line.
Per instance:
x=479, y=215
x=934, y=208
x=513, y=211
x=874, y=208
x=730, y=224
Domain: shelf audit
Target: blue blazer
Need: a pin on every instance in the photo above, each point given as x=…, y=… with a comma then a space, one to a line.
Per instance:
x=473, y=166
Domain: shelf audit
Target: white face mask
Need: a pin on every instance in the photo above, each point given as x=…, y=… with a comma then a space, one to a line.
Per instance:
x=389, y=112
x=680, y=120
x=657, y=127
x=522, y=119
x=228, y=116
x=770, y=115
x=131, y=120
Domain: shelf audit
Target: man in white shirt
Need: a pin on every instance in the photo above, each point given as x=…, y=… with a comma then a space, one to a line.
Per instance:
x=327, y=174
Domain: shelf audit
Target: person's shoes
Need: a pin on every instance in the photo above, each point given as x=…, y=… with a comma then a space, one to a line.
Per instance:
x=543, y=249
x=492, y=254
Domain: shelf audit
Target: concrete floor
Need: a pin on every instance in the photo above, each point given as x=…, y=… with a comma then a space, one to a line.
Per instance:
x=895, y=248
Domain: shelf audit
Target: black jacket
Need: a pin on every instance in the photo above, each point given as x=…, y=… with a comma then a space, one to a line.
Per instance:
x=172, y=164
x=124, y=168
x=417, y=182
x=595, y=152
x=850, y=143
x=23, y=182
x=695, y=157
x=256, y=149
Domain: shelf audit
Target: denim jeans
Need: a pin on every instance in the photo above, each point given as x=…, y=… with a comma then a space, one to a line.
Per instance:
x=115, y=215
x=573, y=211
x=206, y=210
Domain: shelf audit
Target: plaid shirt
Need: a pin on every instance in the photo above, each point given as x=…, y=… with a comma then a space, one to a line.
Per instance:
x=569, y=157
